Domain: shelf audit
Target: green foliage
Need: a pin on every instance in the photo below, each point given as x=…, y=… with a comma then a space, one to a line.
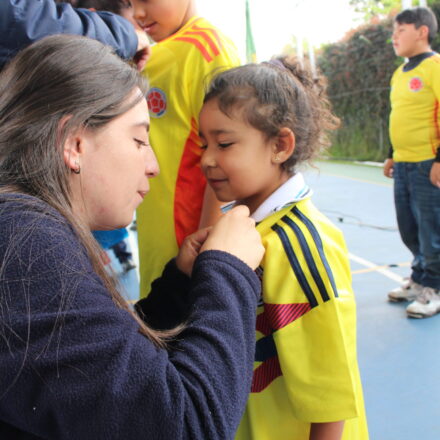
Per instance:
x=358, y=70
x=435, y=6
x=373, y=8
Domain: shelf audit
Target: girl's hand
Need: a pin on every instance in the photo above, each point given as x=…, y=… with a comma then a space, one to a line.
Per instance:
x=235, y=233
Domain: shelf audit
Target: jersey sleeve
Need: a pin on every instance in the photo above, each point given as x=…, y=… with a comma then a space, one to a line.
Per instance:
x=216, y=54
x=310, y=308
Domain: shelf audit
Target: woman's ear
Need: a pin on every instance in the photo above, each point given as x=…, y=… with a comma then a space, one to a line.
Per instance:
x=72, y=148
x=284, y=145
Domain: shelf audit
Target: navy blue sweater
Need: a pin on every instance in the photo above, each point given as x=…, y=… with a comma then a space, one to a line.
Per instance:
x=24, y=21
x=74, y=366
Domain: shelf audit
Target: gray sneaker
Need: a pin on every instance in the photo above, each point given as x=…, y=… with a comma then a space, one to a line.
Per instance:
x=408, y=291
x=426, y=304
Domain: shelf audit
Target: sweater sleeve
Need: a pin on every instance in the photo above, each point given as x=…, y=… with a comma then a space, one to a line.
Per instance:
x=23, y=22
x=75, y=366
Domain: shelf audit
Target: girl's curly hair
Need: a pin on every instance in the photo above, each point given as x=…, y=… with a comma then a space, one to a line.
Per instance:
x=276, y=94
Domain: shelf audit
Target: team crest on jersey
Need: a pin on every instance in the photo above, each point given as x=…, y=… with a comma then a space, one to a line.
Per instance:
x=415, y=84
x=157, y=102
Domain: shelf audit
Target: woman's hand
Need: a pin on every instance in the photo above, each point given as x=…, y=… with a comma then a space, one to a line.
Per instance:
x=235, y=233
x=190, y=249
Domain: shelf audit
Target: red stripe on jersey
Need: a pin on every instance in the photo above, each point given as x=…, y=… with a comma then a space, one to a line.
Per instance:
x=265, y=373
x=213, y=32
x=263, y=325
x=277, y=316
x=190, y=188
x=280, y=315
x=199, y=46
x=207, y=38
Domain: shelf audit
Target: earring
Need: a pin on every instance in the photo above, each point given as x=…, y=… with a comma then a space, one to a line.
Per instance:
x=78, y=168
x=276, y=159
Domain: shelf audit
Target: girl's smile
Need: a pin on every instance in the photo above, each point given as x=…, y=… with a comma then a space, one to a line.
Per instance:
x=217, y=183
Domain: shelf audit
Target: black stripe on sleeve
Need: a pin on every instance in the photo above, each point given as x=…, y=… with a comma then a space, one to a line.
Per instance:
x=309, y=257
x=265, y=349
x=315, y=234
x=295, y=265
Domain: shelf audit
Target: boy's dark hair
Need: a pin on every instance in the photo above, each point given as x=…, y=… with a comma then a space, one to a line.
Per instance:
x=276, y=94
x=115, y=6
x=419, y=16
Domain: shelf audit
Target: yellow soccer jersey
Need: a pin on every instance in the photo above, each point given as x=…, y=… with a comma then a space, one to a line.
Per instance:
x=415, y=115
x=178, y=71
x=306, y=362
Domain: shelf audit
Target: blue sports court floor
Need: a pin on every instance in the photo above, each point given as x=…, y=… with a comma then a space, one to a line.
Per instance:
x=399, y=357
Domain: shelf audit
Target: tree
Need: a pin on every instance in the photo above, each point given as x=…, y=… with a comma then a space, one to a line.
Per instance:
x=358, y=70
x=374, y=8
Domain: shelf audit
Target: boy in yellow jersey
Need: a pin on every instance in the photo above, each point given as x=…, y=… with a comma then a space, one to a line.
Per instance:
x=188, y=50
x=414, y=161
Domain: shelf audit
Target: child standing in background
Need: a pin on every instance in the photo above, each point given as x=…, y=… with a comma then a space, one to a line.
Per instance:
x=414, y=161
x=188, y=50
x=259, y=123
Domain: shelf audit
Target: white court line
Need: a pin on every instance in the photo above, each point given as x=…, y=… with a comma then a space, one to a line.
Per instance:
x=385, y=272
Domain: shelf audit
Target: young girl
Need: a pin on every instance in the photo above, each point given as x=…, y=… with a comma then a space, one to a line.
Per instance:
x=259, y=123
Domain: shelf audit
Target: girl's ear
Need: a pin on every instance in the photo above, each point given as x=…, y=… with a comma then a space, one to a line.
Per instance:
x=284, y=145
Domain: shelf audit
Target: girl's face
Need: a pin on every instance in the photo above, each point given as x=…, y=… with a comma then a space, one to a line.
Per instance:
x=116, y=162
x=238, y=160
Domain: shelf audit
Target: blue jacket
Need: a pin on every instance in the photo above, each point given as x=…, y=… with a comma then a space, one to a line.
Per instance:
x=24, y=21
x=107, y=239
x=74, y=366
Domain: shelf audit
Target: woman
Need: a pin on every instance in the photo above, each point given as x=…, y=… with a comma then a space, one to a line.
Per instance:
x=76, y=362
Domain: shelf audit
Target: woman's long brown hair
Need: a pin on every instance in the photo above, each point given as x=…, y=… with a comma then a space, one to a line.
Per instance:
x=61, y=76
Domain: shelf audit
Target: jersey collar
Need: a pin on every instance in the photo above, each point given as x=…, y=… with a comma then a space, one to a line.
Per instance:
x=291, y=191
x=413, y=62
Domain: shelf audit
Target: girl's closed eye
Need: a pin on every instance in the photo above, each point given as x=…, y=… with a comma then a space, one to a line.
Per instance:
x=141, y=143
x=220, y=145
x=225, y=144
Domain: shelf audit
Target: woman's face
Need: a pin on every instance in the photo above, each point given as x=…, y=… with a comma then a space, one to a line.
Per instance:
x=115, y=162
